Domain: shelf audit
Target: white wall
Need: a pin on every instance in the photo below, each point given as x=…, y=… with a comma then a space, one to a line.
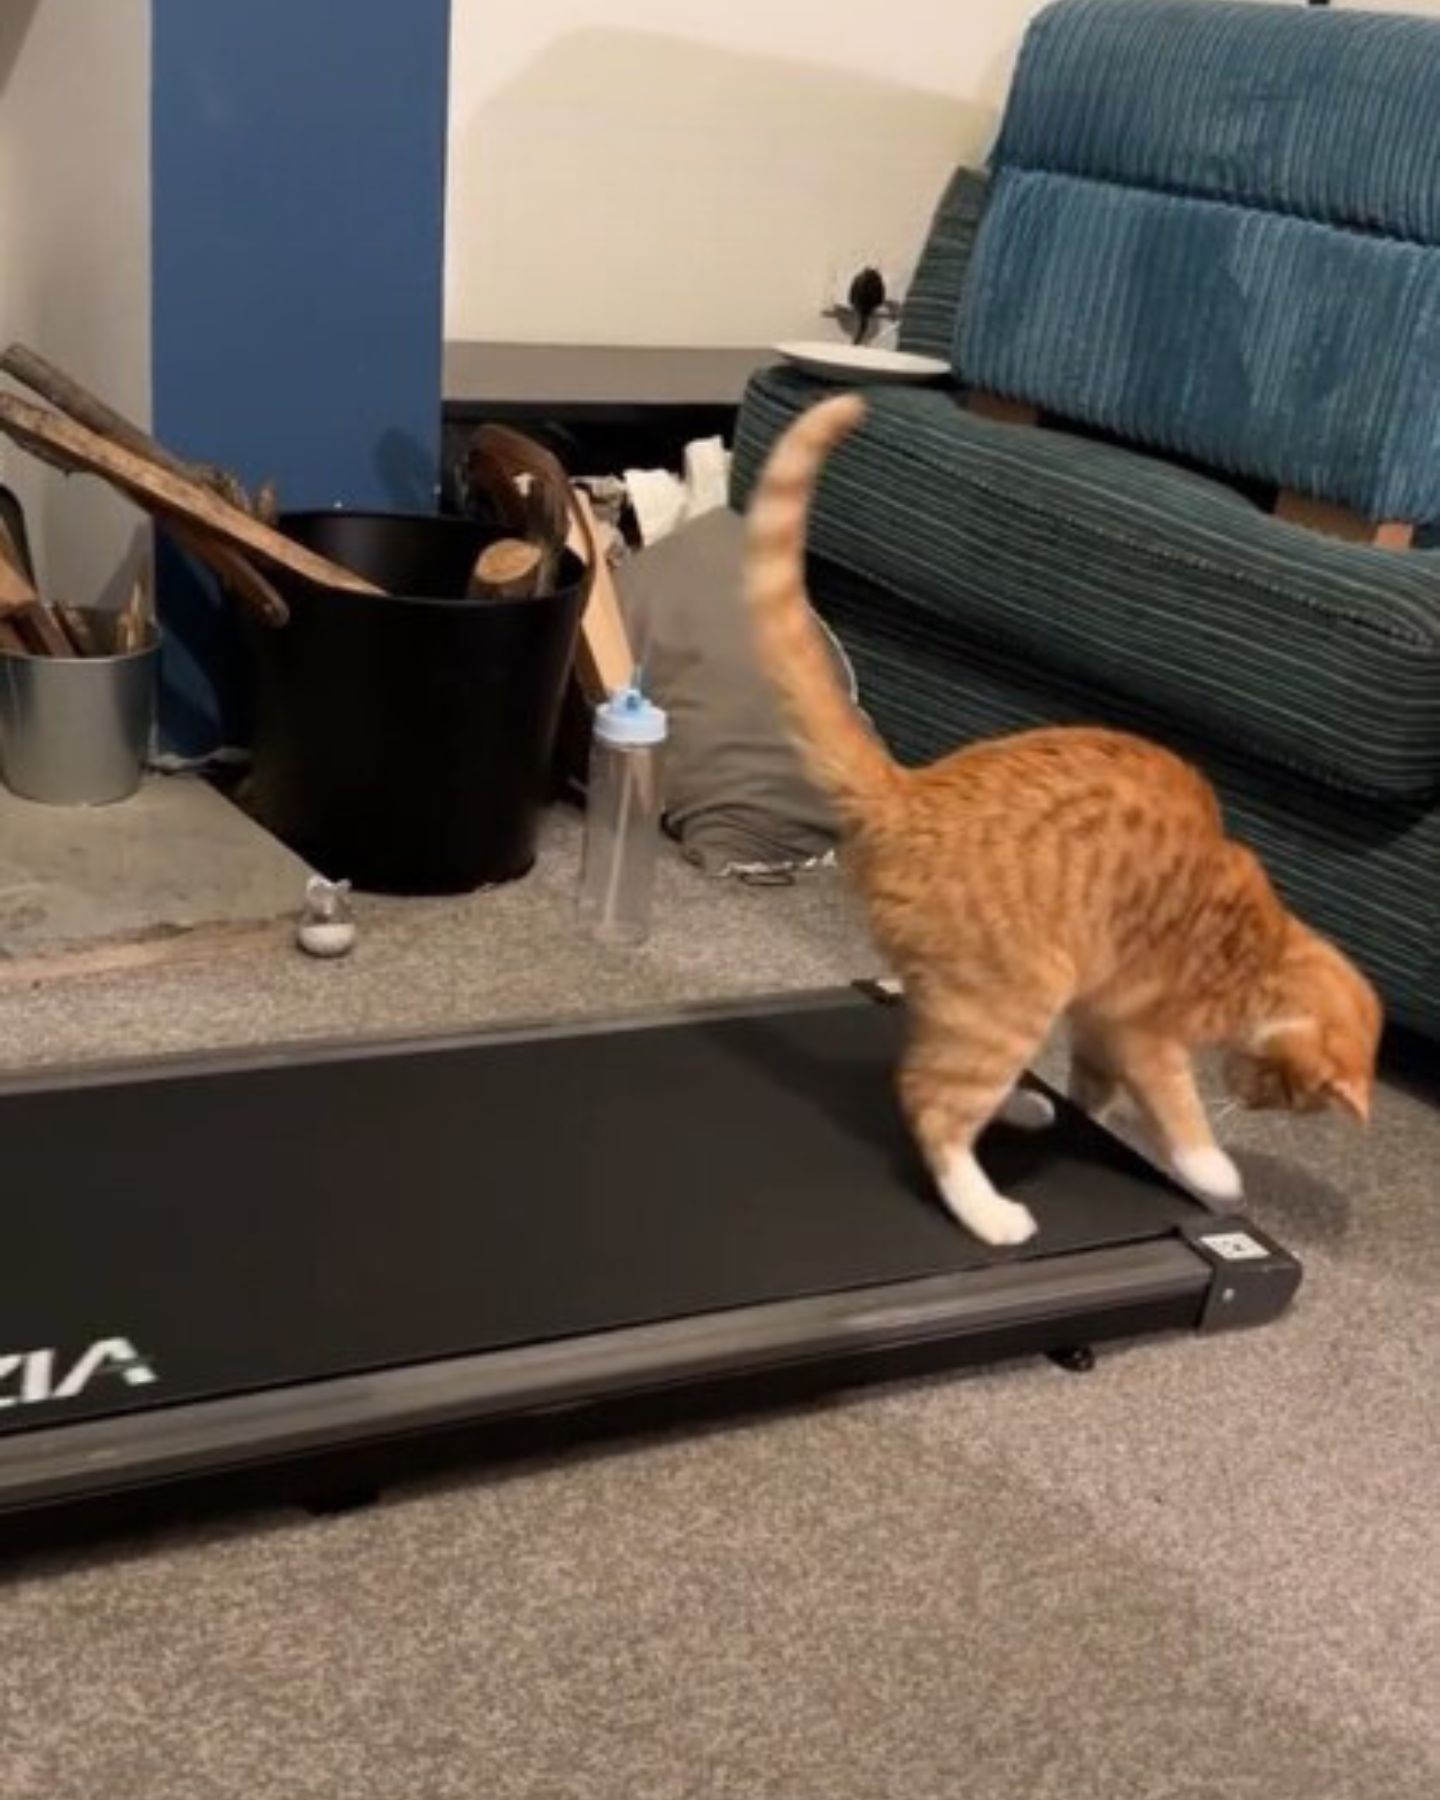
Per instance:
x=75, y=249
x=699, y=172
x=688, y=172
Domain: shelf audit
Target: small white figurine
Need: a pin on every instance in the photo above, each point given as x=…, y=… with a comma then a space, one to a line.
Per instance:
x=327, y=927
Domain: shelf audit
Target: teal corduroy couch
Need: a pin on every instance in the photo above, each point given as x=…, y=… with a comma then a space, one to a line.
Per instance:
x=1207, y=247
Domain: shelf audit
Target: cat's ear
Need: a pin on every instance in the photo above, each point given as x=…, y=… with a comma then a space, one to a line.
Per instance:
x=1349, y=1094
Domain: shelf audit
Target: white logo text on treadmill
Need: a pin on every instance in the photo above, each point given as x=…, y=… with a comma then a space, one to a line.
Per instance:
x=32, y=1377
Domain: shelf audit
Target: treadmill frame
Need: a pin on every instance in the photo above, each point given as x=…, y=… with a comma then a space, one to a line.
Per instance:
x=325, y=1443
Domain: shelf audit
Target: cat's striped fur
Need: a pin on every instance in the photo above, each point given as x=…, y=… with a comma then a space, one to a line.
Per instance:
x=1069, y=872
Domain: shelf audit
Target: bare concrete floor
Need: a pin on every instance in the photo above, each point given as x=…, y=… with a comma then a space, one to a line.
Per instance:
x=175, y=857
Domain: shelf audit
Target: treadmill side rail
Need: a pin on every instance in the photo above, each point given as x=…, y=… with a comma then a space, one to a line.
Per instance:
x=1008, y=1309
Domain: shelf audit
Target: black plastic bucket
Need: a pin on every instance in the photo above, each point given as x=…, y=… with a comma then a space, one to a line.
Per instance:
x=403, y=741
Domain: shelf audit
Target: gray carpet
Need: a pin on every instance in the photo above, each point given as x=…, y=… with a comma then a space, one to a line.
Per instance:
x=1208, y=1571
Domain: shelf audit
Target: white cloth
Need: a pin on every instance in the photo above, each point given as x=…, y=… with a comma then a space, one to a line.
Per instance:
x=663, y=502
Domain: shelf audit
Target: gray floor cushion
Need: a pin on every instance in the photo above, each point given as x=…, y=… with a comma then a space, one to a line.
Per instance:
x=735, y=793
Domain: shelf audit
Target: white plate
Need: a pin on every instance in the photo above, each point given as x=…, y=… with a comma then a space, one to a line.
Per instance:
x=856, y=364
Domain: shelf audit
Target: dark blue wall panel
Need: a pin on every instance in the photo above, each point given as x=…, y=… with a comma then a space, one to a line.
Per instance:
x=298, y=198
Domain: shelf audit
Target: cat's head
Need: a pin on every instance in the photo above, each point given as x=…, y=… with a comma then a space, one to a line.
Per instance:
x=1314, y=1047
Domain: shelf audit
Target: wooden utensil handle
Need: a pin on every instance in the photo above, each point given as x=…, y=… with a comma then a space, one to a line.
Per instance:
x=238, y=576
x=16, y=587
x=41, y=627
x=506, y=570
x=77, y=629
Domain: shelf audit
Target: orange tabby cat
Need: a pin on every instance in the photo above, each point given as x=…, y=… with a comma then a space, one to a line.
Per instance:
x=1077, y=873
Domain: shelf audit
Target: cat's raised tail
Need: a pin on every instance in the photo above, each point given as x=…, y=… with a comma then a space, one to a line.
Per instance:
x=842, y=753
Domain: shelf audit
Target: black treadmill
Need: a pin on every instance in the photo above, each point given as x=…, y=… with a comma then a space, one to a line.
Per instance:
x=300, y=1273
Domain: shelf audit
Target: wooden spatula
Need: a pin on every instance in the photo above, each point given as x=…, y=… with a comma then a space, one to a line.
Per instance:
x=168, y=495
x=604, y=659
x=75, y=400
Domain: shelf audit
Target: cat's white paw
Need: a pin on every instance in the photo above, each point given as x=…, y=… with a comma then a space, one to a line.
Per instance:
x=1027, y=1109
x=990, y=1216
x=1003, y=1222
x=1209, y=1172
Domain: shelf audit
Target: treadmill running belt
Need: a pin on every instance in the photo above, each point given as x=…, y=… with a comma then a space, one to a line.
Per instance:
x=254, y=1224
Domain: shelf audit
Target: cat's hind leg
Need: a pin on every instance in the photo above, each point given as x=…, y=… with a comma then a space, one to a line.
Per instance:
x=970, y=1195
x=1024, y=1108
x=960, y=1071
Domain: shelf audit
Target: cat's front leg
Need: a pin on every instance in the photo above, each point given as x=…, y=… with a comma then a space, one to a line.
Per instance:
x=1094, y=1089
x=1094, y=1084
x=1159, y=1073
x=1208, y=1171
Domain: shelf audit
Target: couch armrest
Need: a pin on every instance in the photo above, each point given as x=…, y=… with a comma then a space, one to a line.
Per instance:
x=927, y=325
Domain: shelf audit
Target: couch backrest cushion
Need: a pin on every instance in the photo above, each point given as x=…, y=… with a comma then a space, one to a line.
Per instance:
x=1214, y=228
x=1333, y=115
